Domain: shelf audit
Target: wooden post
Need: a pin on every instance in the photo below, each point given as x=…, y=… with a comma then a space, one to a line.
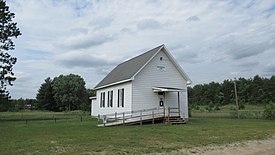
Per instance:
x=98, y=118
x=164, y=115
x=26, y=121
x=104, y=119
x=168, y=115
x=54, y=120
x=123, y=115
x=140, y=123
x=236, y=98
x=153, y=120
x=80, y=118
x=115, y=116
x=179, y=102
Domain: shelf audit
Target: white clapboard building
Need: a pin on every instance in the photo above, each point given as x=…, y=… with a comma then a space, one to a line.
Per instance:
x=151, y=80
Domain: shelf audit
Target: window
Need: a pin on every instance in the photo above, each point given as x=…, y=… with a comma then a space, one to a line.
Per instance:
x=120, y=102
x=102, y=99
x=110, y=98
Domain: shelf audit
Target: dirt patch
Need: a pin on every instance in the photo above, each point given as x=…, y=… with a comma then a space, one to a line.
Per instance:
x=255, y=147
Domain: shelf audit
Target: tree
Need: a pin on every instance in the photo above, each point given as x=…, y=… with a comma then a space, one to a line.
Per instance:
x=5, y=103
x=8, y=30
x=44, y=97
x=86, y=106
x=256, y=90
x=69, y=91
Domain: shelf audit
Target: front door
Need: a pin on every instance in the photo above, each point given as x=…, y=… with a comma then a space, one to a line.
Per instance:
x=161, y=99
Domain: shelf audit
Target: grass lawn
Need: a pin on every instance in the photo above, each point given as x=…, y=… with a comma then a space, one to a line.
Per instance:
x=70, y=136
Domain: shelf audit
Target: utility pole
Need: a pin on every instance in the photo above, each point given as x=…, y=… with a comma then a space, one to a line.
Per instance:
x=236, y=97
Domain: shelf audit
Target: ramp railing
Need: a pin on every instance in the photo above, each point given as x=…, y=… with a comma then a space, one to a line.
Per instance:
x=139, y=116
x=131, y=116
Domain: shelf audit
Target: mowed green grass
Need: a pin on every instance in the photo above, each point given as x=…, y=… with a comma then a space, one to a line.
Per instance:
x=71, y=136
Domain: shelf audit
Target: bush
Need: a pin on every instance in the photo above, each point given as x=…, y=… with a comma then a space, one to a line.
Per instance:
x=189, y=112
x=269, y=111
x=233, y=108
x=197, y=108
x=246, y=115
x=241, y=107
x=210, y=107
x=233, y=114
x=217, y=107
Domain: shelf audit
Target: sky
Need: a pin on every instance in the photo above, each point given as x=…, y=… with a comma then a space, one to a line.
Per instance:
x=212, y=40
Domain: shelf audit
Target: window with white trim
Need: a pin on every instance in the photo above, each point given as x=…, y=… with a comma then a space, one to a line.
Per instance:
x=120, y=102
x=110, y=99
x=102, y=99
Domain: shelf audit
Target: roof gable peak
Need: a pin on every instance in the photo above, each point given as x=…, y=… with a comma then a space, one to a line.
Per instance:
x=127, y=70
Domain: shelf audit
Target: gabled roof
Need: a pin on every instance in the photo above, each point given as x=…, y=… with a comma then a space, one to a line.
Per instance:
x=127, y=70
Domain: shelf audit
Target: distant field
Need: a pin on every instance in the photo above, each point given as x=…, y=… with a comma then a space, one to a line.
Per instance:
x=250, y=111
x=71, y=136
x=40, y=115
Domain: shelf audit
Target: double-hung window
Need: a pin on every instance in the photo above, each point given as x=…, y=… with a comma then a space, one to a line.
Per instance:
x=102, y=99
x=110, y=98
x=120, y=102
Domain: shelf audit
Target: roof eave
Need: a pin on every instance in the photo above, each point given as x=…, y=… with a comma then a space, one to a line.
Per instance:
x=184, y=75
x=112, y=84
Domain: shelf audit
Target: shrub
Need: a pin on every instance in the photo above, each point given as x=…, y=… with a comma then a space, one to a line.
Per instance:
x=241, y=107
x=217, y=107
x=233, y=108
x=246, y=114
x=210, y=107
x=189, y=112
x=269, y=111
x=197, y=108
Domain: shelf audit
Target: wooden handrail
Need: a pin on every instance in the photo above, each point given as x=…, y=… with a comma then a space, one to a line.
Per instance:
x=138, y=115
x=114, y=117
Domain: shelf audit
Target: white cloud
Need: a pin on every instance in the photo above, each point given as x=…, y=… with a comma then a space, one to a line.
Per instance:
x=212, y=40
x=148, y=24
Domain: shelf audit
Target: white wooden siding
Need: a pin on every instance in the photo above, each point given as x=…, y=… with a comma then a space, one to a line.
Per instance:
x=158, y=74
x=96, y=109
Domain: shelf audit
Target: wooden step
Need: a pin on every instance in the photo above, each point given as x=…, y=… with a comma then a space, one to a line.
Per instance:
x=177, y=123
x=176, y=120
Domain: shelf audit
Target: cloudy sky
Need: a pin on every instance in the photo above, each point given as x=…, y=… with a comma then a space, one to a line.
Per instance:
x=212, y=40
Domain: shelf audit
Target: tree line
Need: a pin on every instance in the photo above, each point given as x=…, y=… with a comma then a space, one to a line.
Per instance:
x=63, y=93
x=256, y=90
x=68, y=92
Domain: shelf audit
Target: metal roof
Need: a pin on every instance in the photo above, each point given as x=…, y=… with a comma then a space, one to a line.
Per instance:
x=126, y=70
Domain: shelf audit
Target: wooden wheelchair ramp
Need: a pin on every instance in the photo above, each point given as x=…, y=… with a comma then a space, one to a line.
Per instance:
x=169, y=116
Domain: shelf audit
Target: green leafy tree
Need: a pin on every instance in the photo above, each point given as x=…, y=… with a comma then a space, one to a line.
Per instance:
x=256, y=90
x=269, y=111
x=69, y=92
x=45, y=96
x=86, y=106
x=8, y=30
x=18, y=104
x=270, y=89
x=4, y=103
